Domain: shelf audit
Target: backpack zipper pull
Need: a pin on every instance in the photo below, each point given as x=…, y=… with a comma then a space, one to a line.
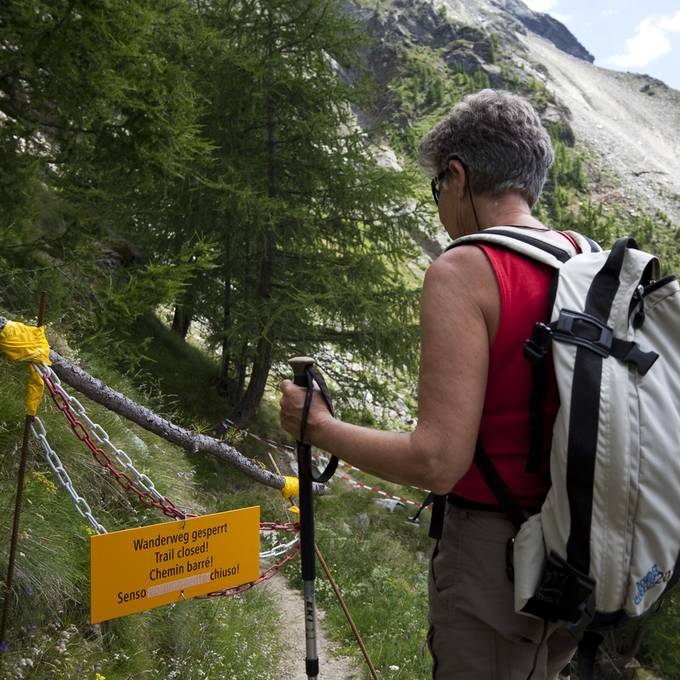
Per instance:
x=639, y=317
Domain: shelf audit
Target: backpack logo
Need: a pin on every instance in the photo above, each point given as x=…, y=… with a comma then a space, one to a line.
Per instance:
x=652, y=578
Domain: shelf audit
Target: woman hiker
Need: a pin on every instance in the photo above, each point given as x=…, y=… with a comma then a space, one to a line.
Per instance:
x=488, y=160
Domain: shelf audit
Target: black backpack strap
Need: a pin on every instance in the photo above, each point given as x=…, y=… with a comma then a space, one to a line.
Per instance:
x=495, y=483
x=499, y=488
x=503, y=238
x=539, y=378
x=536, y=350
x=558, y=253
x=588, y=646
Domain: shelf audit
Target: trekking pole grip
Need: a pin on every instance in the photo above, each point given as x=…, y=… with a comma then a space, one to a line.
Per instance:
x=299, y=366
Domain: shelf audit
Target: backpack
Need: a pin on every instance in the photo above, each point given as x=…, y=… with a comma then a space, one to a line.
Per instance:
x=605, y=545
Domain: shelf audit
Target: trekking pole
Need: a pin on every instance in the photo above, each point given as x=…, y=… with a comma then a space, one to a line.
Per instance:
x=305, y=375
x=304, y=458
x=4, y=645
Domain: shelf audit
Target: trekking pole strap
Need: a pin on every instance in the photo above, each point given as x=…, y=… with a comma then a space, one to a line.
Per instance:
x=311, y=376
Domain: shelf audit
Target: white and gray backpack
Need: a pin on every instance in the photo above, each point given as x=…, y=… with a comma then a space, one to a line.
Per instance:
x=605, y=545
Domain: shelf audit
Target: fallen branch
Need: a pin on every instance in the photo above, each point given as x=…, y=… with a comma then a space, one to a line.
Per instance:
x=96, y=390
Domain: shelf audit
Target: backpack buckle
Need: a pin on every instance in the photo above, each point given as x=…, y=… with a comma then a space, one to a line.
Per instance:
x=584, y=330
x=563, y=594
x=536, y=348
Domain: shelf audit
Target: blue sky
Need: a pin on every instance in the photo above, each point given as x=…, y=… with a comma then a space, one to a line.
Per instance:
x=643, y=37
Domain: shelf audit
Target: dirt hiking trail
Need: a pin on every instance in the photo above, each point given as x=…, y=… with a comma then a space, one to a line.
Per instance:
x=292, y=667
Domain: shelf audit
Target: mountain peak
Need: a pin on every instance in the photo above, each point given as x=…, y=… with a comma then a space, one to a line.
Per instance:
x=513, y=16
x=546, y=27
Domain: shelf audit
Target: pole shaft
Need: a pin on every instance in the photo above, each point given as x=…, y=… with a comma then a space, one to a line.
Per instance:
x=307, y=557
x=15, y=527
x=18, y=500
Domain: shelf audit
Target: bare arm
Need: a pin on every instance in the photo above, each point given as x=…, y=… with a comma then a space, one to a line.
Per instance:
x=459, y=314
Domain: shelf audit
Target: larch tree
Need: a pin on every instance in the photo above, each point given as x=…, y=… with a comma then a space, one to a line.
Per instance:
x=313, y=234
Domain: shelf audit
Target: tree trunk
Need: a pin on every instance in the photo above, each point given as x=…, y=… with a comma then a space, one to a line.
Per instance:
x=262, y=362
x=248, y=406
x=224, y=386
x=181, y=320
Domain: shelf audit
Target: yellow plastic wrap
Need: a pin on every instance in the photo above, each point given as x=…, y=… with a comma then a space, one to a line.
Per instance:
x=19, y=342
x=290, y=489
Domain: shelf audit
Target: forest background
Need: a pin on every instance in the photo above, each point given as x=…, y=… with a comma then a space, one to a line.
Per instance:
x=189, y=182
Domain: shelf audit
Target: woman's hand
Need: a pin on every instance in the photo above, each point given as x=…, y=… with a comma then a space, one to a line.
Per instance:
x=292, y=404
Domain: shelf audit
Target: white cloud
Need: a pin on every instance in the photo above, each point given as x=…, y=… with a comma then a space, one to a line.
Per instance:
x=541, y=5
x=650, y=41
x=671, y=24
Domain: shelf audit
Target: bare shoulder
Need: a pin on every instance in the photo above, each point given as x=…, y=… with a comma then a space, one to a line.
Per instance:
x=466, y=267
x=463, y=277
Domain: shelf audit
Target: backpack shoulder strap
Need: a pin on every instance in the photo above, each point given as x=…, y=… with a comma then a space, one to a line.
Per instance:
x=585, y=243
x=546, y=247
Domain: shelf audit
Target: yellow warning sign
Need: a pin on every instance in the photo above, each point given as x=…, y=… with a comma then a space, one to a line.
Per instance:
x=138, y=569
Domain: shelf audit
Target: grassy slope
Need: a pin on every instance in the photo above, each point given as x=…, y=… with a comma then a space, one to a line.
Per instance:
x=49, y=634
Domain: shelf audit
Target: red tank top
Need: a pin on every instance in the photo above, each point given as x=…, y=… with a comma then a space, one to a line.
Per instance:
x=504, y=430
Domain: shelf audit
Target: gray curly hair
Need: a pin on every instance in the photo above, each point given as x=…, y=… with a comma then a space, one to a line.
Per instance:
x=499, y=138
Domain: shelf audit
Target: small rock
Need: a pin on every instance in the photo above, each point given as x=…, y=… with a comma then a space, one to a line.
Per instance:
x=363, y=522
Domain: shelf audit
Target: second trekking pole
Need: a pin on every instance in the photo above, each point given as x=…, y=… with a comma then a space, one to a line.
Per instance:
x=305, y=376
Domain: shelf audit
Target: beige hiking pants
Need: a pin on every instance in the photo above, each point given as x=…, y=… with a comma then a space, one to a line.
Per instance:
x=475, y=633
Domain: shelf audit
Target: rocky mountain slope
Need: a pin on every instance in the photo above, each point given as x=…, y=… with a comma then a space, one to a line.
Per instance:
x=629, y=125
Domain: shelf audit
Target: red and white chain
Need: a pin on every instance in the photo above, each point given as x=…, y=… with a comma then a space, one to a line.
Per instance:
x=129, y=478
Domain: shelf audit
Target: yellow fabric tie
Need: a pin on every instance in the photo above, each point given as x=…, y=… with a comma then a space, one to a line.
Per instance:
x=291, y=488
x=19, y=342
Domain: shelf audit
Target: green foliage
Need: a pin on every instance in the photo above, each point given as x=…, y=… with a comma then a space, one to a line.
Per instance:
x=203, y=155
x=187, y=641
x=660, y=647
x=97, y=102
x=566, y=204
x=311, y=231
x=424, y=91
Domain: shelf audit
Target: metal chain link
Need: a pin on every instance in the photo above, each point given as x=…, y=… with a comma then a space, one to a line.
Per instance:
x=265, y=576
x=53, y=460
x=102, y=436
x=279, y=549
x=83, y=507
x=141, y=485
